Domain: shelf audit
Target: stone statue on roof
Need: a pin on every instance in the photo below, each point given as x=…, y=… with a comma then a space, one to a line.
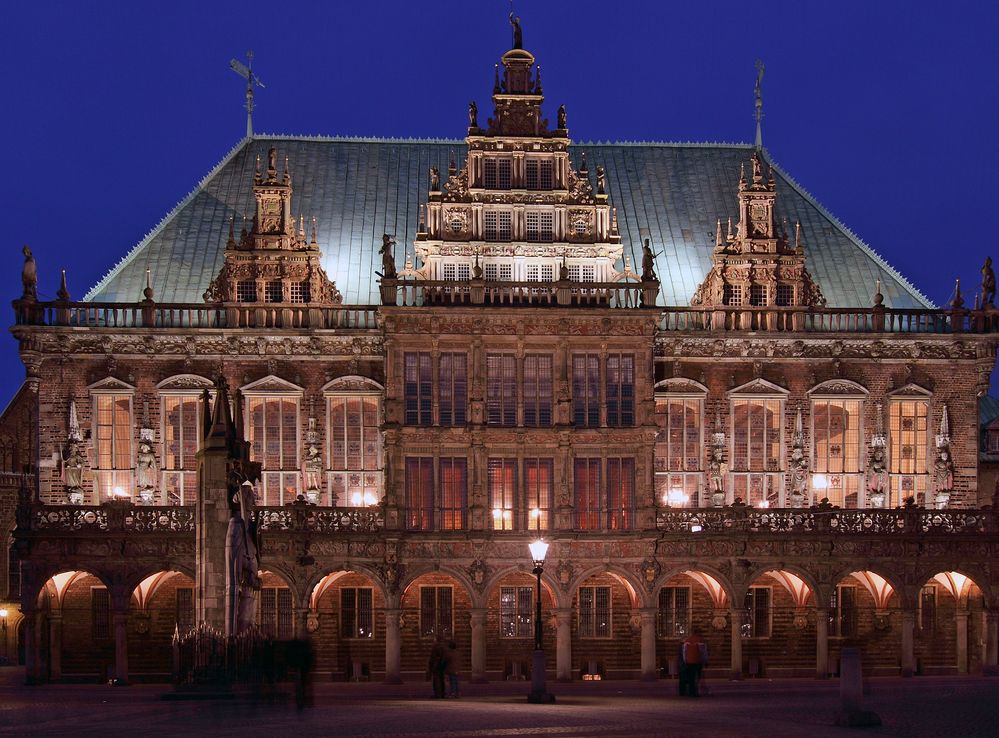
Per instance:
x=435, y=179
x=988, y=283
x=29, y=275
x=473, y=115
x=388, y=258
x=518, y=35
x=648, y=263
x=561, y=116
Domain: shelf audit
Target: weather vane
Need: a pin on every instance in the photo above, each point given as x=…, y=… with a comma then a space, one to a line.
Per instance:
x=246, y=72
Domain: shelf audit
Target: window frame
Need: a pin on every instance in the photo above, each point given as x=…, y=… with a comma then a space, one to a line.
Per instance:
x=680, y=630
x=432, y=633
x=267, y=390
x=358, y=613
x=687, y=480
x=121, y=477
x=515, y=612
x=371, y=480
x=592, y=633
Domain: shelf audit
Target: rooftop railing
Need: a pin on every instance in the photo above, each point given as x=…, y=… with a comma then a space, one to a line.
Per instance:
x=194, y=315
x=563, y=293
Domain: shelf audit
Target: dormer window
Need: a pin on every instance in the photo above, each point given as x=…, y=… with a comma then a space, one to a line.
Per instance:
x=757, y=295
x=246, y=291
x=300, y=292
x=498, y=174
x=540, y=226
x=538, y=175
x=274, y=292
x=499, y=225
x=733, y=295
x=785, y=295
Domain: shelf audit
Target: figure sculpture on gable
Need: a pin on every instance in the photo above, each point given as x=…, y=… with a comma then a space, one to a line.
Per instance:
x=473, y=115
x=561, y=117
x=243, y=563
x=435, y=179
x=648, y=263
x=388, y=259
x=29, y=275
x=518, y=35
x=988, y=283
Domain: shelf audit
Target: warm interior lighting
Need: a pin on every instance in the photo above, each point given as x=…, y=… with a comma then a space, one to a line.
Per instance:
x=356, y=499
x=3, y=613
x=676, y=496
x=763, y=503
x=497, y=513
x=819, y=481
x=370, y=498
x=119, y=492
x=539, y=549
x=360, y=499
x=695, y=528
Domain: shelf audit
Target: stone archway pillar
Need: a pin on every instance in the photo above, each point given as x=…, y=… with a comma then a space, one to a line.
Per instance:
x=961, y=620
x=393, y=646
x=477, y=621
x=120, y=620
x=735, y=627
x=32, y=653
x=908, y=643
x=821, y=643
x=649, y=672
x=991, y=655
x=563, y=645
x=55, y=645
x=301, y=624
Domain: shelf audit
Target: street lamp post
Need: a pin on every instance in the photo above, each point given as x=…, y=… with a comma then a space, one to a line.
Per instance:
x=539, y=694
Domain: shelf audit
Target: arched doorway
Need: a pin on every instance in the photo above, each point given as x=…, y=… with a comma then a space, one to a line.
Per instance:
x=686, y=602
x=865, y=612
x=509, y=626
x=347, y=626
x=162, y=604
x=949, y=634
x=778, y=626
x=435, y=606
x=75, y=628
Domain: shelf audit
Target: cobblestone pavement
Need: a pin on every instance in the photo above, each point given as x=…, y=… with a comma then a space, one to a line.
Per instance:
x=923, y=706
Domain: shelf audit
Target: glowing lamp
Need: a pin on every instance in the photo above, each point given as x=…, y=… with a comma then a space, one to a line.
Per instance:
x=539, y=549
x=820, y=481
x=3, y=613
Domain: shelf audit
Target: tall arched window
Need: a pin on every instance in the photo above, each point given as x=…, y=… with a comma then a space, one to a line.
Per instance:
x=354, y=451
x=113, y=429
x=838, y=443
x=908, y=444
x=679, y=460
x=756, y=458
x=273, y=430
x=180, y=435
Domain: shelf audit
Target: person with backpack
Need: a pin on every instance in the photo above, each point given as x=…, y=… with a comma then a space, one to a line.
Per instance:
x=693, y=658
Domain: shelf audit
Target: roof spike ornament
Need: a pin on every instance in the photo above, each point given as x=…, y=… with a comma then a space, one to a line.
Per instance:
x=731, y=235
x=878, y=297
x=719, y=242
x=958, y=302
x=246, y=72
x=797, y=237
x=537, y=81
x=742, y=174
x=758, y=95
x=287, y=171
x=63, y=293
x=147, y=293
x=496, y=82
x=315, y=233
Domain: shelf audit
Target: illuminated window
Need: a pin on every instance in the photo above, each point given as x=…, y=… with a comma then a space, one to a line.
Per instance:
x=181, y=415
x=908, y=441
x=594, y=612
x=674, y=612
x=539, y=483
x=355, y=446
x=274, y=429
x=757, y=450
x=498, y=272
x=356, y=613
x=586, y=390
x=436, y=612
x=538, y=390
x=502, y=474
x=516, y=612
x=678, y=459
x=453, y=493
x=620, y=494
x=837, y=449
x=453, y=388
x=419, y=493
x=587, y=488
x=756, y=618
x=113, y=428
x=417, y=388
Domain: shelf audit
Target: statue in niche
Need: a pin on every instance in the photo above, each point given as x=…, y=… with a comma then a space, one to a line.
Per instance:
x=799, y=476
x=29, y=276
x=145, y=467
x=561, y=116
x=943, y=476
x=717, y=469
x=473, y=115
x=988, y=283
x=313, y=468
x=648, y=263
x=877, y=476
x=243, y=563
x=435, y=179
x=72, y=467
x=388, y=258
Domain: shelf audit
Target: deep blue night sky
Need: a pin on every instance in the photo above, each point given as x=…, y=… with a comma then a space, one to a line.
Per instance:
x=885, y=110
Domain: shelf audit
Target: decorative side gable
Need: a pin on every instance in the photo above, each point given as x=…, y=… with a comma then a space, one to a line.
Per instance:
x=110, y=385
x=274, y=384
x=758, y=387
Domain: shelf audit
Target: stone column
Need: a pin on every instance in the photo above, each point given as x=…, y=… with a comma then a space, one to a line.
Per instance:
x=120, y=620
x=735, y=626
x=32, y=670
x=477, y=621
x=821, y=643
x=961, y=618
x=55, y=645
x=563, y=645
x=649, y=671
x=991, y=642
x=301, y=624
x=393, y=646
x=908, y=645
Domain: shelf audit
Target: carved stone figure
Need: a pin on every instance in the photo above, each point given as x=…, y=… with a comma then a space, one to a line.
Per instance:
x=435, y=179
x=561, y=116
x=601, y=189
x=313, y=468
x=518, y=35
x=799, y=476
x=473, y=115
x=717, y=469
x=242, y=563
x=145, y=464
x=648, y=263
x=29, y=276
x=988, y=283
x=388, y=259
x=877, y=477
x=943, y=471
x=72, y=467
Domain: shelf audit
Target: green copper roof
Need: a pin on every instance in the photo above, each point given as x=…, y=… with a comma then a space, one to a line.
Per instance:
x=359, y=189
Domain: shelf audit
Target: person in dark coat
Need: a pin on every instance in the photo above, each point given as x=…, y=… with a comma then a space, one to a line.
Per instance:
x=436, y=666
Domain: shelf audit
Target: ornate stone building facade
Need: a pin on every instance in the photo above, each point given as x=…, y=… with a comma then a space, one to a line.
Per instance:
x=782, y=457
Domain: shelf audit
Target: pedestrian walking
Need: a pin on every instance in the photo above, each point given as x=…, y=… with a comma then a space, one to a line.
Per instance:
x=435, y=669
x=451, y=668
x=693, y=658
